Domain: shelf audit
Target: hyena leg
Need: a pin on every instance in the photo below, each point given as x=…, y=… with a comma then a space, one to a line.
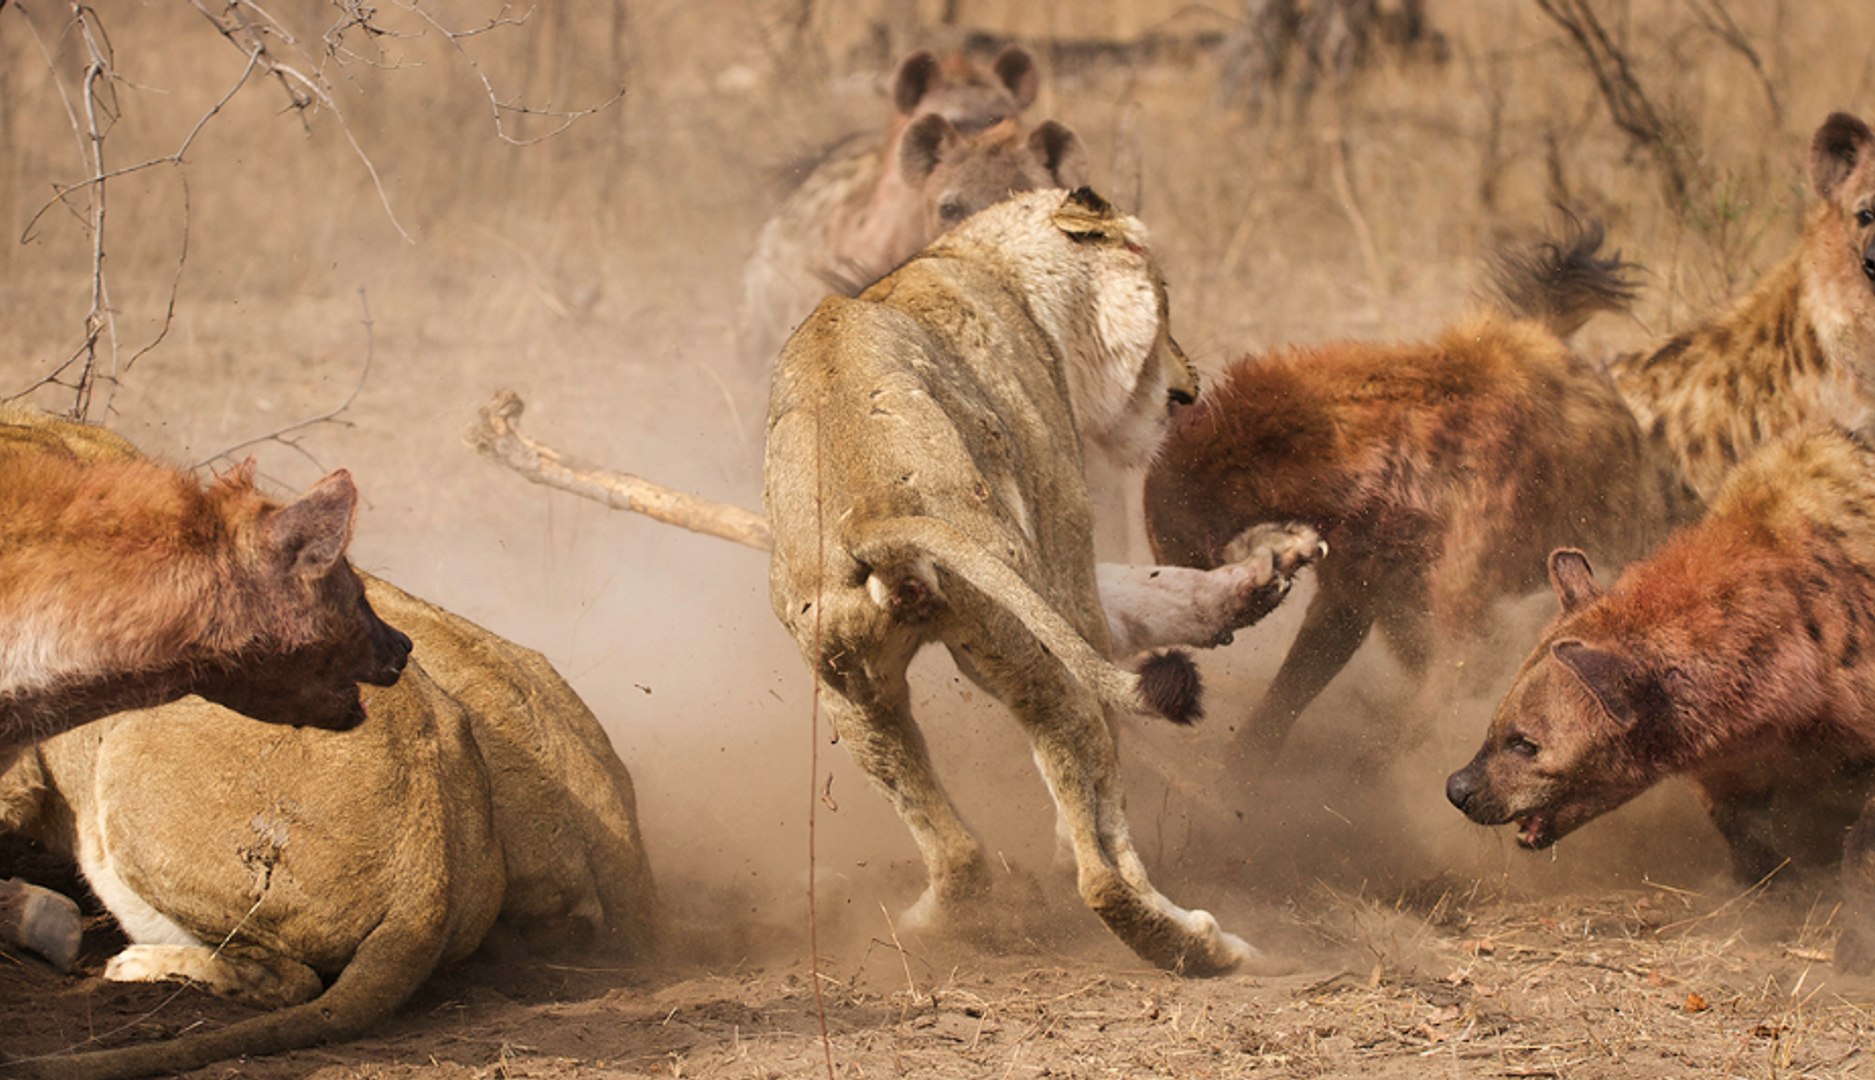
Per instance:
x=1151, y=607
x=1740, y=806
x=1075, y=751
x=1337, y=622
x=258, y=978
x=872, y=714
x=1855, y=948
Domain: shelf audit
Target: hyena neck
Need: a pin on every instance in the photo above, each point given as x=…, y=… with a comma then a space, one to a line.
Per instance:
x=91, y=615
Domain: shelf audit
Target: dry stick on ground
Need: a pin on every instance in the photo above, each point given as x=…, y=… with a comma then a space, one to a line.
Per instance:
x=497, y=437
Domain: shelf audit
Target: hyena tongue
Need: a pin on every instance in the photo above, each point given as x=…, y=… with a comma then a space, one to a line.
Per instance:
x=1530, y=830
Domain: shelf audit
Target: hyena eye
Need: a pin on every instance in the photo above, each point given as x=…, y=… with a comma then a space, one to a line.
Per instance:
x=1517, y=744
x=1865, y=217
x=951, y=210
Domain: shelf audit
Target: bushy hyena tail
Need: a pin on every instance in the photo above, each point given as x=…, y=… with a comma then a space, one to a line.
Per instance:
x=901, y=555
x=1562, y=280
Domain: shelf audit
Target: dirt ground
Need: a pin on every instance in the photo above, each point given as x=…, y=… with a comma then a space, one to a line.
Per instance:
x=596, y=274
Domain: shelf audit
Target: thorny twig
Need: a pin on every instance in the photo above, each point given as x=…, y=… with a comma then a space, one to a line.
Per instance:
x=330, y=416
x=499, y=108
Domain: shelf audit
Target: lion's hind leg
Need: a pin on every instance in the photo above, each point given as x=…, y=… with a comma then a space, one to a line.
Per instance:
x=1075, y=751
x=871, y=710
x=253, y=976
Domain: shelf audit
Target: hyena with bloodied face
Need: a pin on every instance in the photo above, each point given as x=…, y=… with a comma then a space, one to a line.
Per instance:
x=951, y=148
x=1798, y=349
x=1741, y=655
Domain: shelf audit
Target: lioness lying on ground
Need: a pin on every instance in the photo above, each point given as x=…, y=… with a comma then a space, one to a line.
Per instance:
x=925, y=484
x=481, y=788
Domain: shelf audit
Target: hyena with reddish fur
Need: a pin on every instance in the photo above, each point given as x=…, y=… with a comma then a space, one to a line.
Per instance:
x=1798, y=349
x=952, y=147
x=1439, y=474
x=1741, y=655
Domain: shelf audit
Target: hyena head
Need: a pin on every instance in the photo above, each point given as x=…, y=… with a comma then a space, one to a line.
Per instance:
x=1842, y=238
x=959, y=174
x=1570, y=741
x=315, y=636
x=967, y=96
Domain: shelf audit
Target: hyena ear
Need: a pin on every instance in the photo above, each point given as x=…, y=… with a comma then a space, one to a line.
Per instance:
x=916, y=75
x=1059, y=150
x=1842, y=143
x=1084, y=215
x=308, y=535
x=1015, y=69
x=925, y=143
x=1628, y=693
x=1573, y=578
x=1604, y=675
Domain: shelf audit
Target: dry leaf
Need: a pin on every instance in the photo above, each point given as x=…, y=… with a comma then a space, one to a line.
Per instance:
x=1695, y=1003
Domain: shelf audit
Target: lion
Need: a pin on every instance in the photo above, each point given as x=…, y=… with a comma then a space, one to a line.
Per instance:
x=924, y=483
x=263, y=861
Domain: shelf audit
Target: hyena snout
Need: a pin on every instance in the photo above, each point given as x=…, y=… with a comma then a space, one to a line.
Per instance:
x=390, y=654
x=1868, y=262
x=1464, y=789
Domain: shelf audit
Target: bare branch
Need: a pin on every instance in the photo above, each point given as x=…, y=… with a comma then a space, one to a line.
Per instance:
x=1715, y=18
x=1628, y=104
x=497, y=437
x=500, y=109
x=330, y=416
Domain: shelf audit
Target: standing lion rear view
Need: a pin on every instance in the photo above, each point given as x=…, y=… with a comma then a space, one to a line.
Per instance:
x=925, y=483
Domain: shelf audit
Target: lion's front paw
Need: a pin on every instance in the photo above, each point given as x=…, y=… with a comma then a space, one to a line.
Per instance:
x=1267, y=559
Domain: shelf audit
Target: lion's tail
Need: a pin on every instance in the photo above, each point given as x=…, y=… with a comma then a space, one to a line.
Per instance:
x=900, y=552
x=1563, y=280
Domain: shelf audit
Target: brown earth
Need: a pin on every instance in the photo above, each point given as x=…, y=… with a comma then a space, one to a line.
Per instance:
x=596, y=274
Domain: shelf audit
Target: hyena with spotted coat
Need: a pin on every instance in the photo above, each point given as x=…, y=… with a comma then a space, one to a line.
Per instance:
x=951, y=148
x=1798, y=349
x=1741, y=655
x=1439, y=473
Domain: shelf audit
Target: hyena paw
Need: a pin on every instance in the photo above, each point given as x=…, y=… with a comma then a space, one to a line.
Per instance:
x=1268, y=557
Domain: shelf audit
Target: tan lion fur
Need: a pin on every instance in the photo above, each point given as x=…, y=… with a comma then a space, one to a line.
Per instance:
x=480, y=789
x=1799, y=349
x=925, y=484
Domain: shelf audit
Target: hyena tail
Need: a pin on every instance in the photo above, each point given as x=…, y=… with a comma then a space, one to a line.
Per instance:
x=1563, y=280
x=902, y=555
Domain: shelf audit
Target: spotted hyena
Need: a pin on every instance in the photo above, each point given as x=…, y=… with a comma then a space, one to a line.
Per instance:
x=1741, y=655
x=1440, y=474
x=952, y=147
x=1798, y=349
x=125, y=583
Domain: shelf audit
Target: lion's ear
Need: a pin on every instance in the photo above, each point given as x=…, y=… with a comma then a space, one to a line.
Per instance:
x=1084, y=215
